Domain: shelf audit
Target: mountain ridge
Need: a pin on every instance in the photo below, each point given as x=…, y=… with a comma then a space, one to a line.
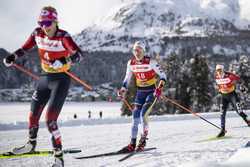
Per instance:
x=154, y=20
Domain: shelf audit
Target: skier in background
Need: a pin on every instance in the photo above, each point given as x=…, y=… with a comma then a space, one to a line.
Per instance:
x=89, y=114
x=57, y=52
x=100, y=114
x=145, y=71
x=226, y=85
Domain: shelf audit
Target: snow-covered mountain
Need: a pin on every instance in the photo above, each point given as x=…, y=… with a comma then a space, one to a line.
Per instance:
x=154, y=20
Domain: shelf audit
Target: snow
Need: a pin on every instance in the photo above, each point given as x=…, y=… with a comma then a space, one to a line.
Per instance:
x=218, y=49
x=239, y=159
x=175, y=136
x=231, y=10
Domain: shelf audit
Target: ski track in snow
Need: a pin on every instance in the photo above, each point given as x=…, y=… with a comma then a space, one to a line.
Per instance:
x=176, y=139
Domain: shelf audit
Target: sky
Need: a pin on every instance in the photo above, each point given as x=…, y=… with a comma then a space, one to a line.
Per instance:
x=18, y=18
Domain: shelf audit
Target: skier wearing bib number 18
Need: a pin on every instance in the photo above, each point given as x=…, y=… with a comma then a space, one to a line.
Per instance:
x=57, y=53
x=145, y=71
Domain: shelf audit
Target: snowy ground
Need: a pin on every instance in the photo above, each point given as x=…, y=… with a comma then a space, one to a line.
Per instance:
x=176, y=138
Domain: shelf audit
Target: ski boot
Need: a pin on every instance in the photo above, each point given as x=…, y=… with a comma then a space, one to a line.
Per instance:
x=29, y=147
x=244, y=117
x=142, y=143
x=221, y=134
x=127, y=149
x=58, y=155
x=248, y=123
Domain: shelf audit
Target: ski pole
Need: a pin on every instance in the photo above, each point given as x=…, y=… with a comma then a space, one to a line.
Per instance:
x=188, y=110
x=68, y=73
x=127, y=104
x=79, y=80
x=90, y=88
x=149, y=111
x=125, y=101
x=19, y=67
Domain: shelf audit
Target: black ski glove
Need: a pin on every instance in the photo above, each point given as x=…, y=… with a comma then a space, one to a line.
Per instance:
x=243, y=88
x=76, y=58
x=9, y=60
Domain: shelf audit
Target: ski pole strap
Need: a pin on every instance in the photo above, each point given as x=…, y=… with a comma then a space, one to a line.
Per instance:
x=188, y=110
x=79, y=80
x=19, y=67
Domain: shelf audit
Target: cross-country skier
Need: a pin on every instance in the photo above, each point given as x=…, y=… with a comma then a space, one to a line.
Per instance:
x=57, y=51
x=145, y=71
x=226, y=85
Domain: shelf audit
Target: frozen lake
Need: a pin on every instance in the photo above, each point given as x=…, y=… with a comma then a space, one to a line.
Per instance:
x=11, y=112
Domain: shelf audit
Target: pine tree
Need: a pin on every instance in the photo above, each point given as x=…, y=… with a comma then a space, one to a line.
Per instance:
x=244, y=72
x=201, y=85
x=183, y=86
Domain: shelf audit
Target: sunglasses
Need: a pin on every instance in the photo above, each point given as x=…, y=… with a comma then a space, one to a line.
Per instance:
x=45, y=23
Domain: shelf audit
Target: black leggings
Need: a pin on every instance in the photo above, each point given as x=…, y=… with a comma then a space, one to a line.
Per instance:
x=52, y=88
x=235, y=102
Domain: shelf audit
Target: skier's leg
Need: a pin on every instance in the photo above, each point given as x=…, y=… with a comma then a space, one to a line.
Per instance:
x=139, y=100
x=134, y=130
x=136, y=121
x=59, y=91
x=39, y=100
x=235, y=101
x=225, y=103
x=145, y=107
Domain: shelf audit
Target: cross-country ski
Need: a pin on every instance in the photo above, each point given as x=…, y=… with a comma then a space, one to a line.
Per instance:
x=136, y=152
x=10, y=154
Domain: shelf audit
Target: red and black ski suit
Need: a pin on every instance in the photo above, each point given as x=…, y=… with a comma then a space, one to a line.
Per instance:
x=53, y=84
x=226, y=86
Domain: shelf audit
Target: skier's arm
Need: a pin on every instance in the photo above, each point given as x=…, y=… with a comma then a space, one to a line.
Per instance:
x=157, y=68
x=126, y=81
x=30, y=43
x=71, y=46
x=128, y=76
x=235, y=78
